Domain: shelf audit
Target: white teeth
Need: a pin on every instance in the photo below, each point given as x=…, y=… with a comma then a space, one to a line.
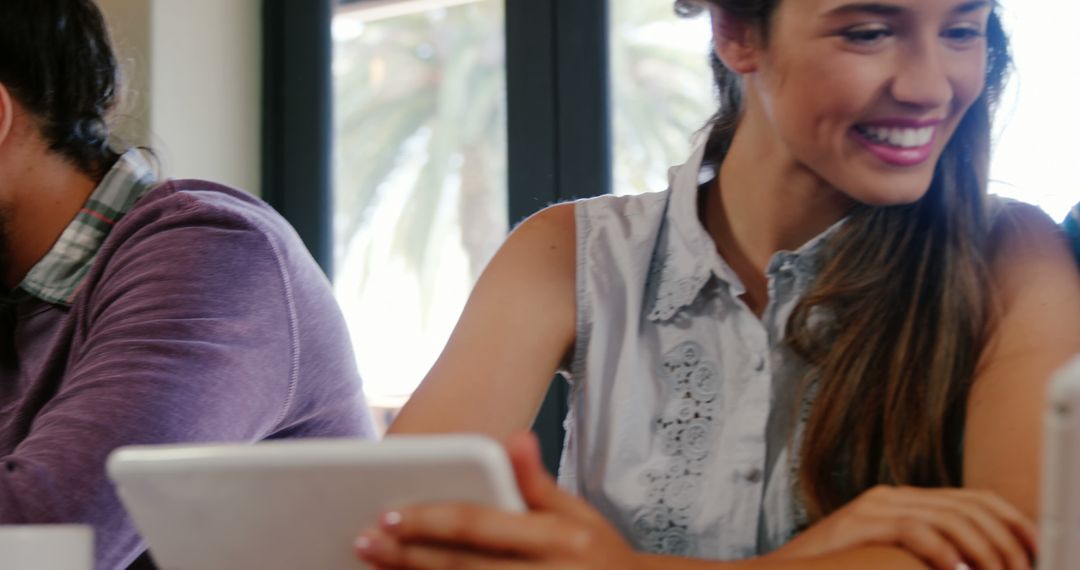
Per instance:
x=899, y=137
x=896, y=137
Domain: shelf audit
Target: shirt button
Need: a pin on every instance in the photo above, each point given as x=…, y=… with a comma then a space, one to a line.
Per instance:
x=760, y=364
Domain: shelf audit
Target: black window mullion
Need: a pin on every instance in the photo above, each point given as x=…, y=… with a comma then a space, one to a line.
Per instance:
x=559, y=134
x=584, y=116
x=532, y=111
x=298, y=119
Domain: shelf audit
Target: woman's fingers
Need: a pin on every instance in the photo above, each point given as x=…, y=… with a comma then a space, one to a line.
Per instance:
x=385, y=552
x=965, y=535
x=474, y=527
x=538, y=488
x=559, y=527
x=885, y=527
x=1002, y=526
x=928, y=544
x=536, y=485
x=1011, y=549
x=987, y=530
x=944, y=527
x=1003, y=510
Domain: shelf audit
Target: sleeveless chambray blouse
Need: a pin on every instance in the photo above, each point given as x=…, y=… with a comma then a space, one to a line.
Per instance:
x=683, y=405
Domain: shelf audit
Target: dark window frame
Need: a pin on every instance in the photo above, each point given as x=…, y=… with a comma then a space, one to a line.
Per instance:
x=559, y=134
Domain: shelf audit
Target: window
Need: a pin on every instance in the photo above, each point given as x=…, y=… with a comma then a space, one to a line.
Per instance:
x=556, y=145
x=419, y=192
x=1035, y=150
x=658, y=61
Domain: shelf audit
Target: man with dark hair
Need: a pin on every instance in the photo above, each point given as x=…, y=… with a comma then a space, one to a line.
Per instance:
x=137, y=311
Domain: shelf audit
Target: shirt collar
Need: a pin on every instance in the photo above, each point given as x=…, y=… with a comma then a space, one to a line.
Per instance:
x=57, y=277
x=685, y=257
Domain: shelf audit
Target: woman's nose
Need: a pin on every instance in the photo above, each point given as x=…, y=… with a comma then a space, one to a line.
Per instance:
x=922, y=79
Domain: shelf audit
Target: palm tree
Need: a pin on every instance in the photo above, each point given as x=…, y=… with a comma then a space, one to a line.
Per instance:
x=434, y=79
x=421, y=140
x=662, y=89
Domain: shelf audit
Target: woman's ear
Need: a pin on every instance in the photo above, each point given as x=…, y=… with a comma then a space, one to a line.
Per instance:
x=735, y=40
x=7, y=113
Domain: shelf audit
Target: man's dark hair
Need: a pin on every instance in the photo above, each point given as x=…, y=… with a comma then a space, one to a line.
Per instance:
x=57, y=60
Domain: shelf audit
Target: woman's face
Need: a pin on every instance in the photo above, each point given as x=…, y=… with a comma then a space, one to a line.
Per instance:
x=867, y=94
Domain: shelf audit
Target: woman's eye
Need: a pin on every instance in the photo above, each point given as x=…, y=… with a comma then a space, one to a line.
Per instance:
x=963, y=34
x=866, y=36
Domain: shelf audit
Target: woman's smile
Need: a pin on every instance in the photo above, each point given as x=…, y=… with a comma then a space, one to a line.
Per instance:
x=899, y=142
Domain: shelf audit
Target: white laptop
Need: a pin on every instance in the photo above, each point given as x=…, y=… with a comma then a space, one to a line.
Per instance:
x=297, y=504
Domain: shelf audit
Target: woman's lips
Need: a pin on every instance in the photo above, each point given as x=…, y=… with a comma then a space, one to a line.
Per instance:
x=898, y=143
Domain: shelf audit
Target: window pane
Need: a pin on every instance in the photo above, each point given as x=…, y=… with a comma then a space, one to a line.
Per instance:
x=662, y=90
x=1035, y=153
x=420, y=191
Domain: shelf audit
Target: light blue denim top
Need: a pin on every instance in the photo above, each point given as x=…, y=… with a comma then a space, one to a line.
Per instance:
x=683, y=401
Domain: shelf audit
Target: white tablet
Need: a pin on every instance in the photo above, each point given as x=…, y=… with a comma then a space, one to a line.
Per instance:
x=1059, y=524
x=297, y=504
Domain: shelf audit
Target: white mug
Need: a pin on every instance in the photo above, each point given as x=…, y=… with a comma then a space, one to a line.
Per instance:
x=47, y=547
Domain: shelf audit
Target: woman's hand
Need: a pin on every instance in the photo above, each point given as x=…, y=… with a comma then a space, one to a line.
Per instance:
x=559, y=530
x=947, y=528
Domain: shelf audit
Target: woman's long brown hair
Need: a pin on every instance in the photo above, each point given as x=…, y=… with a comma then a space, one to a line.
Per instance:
x=895, y=322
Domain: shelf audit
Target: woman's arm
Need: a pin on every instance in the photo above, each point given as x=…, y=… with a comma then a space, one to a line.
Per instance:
x=437, y=535
x=896, y=529
x=517, y=327
x=881, y=557
x=1038, y=330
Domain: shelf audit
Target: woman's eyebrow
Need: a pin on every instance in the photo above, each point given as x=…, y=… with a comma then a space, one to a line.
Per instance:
x=968, y=7
x=874, y=8
x=885, y=9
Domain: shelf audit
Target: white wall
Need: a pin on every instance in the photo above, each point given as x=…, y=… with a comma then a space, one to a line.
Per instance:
x=194, y=71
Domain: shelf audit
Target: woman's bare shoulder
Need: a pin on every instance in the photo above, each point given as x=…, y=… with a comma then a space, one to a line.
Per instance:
x=513, y=333
x=543, y=246
x=1030, y=255
x=1036, y=289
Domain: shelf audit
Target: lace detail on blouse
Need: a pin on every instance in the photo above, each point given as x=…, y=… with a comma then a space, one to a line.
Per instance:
x=669, y=295
x=686, y=431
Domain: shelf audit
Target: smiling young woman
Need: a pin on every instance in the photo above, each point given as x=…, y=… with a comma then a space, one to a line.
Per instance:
x=823, y=345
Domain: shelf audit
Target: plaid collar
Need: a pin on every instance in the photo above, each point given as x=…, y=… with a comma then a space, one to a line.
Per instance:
x=58, y=276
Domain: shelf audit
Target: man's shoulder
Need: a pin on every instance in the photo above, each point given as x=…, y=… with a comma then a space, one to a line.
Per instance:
x=192, y=213
x=202, y=236
x=203, y=201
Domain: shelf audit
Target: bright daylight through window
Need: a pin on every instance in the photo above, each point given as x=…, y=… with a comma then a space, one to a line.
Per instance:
x=420, y=177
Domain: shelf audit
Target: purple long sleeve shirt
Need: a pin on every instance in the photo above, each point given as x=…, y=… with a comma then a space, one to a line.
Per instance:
x=202, y=318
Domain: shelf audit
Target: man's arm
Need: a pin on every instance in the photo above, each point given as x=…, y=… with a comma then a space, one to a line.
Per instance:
x=186, y=336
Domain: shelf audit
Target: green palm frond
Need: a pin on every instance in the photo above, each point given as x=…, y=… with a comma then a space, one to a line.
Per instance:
x=440, y=82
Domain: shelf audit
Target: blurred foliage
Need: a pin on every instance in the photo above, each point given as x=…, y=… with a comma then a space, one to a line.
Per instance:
x=425, y=93
x=662, y=87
